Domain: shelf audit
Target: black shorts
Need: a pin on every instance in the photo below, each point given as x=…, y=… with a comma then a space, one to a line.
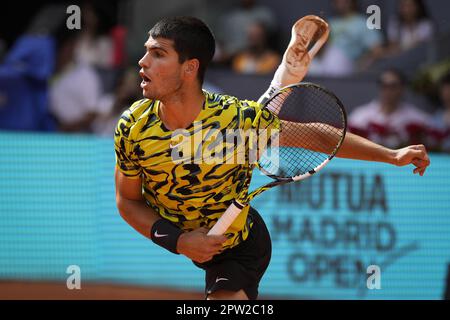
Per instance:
x=242, y=266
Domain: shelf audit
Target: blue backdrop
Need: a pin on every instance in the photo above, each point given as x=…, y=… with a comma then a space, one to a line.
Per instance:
x=57, y=209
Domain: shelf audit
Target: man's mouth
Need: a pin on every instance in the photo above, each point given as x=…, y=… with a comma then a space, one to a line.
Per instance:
x=145, y=80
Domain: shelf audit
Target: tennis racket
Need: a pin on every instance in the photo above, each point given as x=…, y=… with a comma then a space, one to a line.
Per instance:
x=313, y=124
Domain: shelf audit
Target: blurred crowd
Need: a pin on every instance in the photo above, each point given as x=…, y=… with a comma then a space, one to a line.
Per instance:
x=392, y=121
x=56, y=79
x=81, y=80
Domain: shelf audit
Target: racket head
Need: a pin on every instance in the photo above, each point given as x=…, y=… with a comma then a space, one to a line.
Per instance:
x=313, y=124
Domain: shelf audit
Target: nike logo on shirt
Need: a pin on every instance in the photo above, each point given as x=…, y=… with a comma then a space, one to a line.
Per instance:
x=175, y=145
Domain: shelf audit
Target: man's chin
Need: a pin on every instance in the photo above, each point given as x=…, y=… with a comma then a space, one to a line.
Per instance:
x=148, y=95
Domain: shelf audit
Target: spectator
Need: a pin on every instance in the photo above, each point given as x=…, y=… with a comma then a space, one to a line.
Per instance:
x=440, y=125
x=231, y=34
x=24, y=75
x=350, y=41
x=75, y=91
x=26, y=71
x=94, y=46
x=331, y=62
x=389, y=119
x=257, y=58
x=126, y=92
x=428, y=78
x=411, y=26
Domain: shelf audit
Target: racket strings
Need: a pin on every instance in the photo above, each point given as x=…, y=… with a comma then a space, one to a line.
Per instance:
x=312, y=127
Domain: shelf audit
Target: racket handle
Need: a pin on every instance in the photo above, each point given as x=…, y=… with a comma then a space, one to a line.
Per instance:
x=226, y=220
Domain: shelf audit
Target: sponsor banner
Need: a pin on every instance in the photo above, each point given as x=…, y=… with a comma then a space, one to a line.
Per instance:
x=356, y=230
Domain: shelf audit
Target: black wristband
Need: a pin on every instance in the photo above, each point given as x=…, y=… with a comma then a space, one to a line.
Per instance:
x=165, y=234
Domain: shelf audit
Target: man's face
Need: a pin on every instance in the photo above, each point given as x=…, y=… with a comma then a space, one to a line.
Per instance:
x=343, y=7
x=408, y=10
x=256, y=36
x=161, y=71
x=391, y=89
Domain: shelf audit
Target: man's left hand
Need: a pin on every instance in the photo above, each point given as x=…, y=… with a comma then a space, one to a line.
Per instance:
x=416, y=155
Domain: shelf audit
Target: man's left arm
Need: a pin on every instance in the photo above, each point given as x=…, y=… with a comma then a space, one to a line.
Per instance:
x=359, y=148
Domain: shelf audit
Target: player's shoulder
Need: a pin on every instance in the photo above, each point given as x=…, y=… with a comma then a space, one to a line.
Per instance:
x=224, y=100
x=137, y=110
x=132, y=116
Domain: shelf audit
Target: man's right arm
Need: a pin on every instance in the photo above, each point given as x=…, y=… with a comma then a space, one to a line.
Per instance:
x=132, y=206
x=195, y=245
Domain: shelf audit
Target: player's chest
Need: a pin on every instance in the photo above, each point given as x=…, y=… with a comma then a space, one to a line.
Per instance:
x=220, y=138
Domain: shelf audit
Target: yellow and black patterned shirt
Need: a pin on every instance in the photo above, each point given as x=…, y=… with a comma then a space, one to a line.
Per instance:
x=181, y=179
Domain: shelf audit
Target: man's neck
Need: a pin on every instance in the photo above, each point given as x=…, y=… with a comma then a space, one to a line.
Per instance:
x=179, y=110
x=349, y=14
x=389, y=108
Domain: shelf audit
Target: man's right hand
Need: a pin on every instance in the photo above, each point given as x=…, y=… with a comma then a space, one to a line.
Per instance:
x=198, y=246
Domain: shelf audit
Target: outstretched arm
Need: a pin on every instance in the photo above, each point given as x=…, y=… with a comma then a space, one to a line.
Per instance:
x=322, y=139
x=359, y=148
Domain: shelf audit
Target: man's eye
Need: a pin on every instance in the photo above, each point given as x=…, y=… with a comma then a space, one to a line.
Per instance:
x=157, y=54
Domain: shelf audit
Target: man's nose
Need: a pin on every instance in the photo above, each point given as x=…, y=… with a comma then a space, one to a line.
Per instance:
x=144, y=62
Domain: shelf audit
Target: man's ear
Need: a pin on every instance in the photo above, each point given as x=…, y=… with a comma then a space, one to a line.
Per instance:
x=191, y=68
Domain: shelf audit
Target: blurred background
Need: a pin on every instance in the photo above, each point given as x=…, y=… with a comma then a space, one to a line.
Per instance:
x=62, y=90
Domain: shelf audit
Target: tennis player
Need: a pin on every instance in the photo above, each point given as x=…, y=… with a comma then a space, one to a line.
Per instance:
x=175, y=203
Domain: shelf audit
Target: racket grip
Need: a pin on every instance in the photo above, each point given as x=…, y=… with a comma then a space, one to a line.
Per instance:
x=226, y=220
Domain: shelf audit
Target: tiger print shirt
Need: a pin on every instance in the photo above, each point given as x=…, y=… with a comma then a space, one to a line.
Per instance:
x=191, y=190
